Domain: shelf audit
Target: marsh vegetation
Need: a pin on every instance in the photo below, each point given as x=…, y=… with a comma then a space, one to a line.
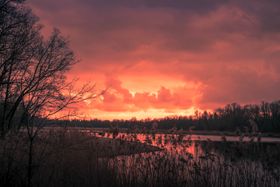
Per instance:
x=67, y=157
x=36, y=149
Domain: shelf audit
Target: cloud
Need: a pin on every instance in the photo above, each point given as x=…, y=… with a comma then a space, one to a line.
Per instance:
x=118, y=99
x=171, y=55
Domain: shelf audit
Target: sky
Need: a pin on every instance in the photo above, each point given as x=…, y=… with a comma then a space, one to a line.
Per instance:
x=169, y=57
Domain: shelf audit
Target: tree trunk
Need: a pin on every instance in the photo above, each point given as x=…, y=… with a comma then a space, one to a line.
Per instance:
x=30, y=163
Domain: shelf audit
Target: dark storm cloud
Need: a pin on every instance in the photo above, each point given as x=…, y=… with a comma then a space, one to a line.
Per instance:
x=198, y=5
x=125, y=24
x=231, y=47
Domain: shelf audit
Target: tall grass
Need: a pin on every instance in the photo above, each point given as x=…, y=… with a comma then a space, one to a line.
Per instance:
x=75, y=158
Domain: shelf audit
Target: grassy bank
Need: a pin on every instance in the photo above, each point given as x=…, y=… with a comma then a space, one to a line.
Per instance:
x=74, y=158
x=60, y=156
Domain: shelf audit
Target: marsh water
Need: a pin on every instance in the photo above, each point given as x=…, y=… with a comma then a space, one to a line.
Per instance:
x=193, y=160
x=219, y=160
x=192, y=144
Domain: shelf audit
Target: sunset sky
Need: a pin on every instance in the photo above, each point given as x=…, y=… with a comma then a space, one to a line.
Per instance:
x=169, y=57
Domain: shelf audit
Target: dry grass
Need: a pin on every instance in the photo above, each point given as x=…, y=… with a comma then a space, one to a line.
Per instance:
x=71, y=158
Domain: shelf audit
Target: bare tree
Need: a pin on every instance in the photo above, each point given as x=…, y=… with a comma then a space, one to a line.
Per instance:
x=19, y=40
x=33, y=85
x=32, y=70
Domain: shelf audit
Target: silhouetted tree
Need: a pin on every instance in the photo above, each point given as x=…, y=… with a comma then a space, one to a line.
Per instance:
x=33, y=85
x=264, y=117
x=32, y=70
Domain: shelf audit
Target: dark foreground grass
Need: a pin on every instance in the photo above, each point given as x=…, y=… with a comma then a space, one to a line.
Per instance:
x=73, y=159
x=61, y=158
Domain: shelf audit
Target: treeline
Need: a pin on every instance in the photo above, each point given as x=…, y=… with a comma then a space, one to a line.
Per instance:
x=264, y=117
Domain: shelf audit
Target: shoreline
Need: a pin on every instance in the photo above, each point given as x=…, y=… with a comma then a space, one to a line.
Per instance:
x=159, y=131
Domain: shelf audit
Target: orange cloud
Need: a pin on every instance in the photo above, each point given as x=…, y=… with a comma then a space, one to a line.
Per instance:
x=170, y=57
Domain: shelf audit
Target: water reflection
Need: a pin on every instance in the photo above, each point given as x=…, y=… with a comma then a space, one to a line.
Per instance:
x=192, y=144
x=194, y=160
x=187, y=160
x=168, y=142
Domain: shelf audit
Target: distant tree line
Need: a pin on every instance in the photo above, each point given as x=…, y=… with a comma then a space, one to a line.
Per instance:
x=264, y=117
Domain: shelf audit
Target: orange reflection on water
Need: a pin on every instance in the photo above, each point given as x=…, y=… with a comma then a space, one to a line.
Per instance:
x=172, y=143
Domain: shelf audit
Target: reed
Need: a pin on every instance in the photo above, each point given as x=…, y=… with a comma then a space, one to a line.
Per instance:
x=77, y=158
